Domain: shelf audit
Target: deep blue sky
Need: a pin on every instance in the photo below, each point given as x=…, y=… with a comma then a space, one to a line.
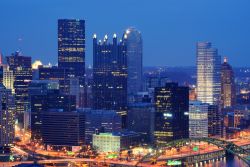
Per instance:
x=170, y=28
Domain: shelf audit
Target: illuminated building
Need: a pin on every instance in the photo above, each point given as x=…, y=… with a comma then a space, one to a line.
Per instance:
x=8, y=78
x=7, y=117
x=109, y=75
x=228, y=91
x=44, y=96
x=71, y=46
x=116, y=141
x=133, y=40
x=21, y=67
x=63, y=128
x=198, y=119
x=141, y=120
x=214, y=121
x=171, y=113
x=101, y=121
x=36, y=64
x=208, y=73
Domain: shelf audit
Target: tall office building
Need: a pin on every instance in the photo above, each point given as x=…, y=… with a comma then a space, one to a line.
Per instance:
x=109, y=74
x=198, y=119
x=8, y=78
x=171, y=113
x=21, y=67
x=133, y=40
x=228, y=90
x=7, y=117
x=71, y=46
x=208, y=73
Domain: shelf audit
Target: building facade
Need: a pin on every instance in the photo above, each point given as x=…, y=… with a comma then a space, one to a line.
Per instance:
x=71, y=46
x=115, y=142
x=208, y=63
x=109, y=74
x=7, y=117
x=171, y=113
x=63, y=129
x=198, y=119
x=21, y=67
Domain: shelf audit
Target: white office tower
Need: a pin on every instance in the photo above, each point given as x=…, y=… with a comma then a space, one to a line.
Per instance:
x=208, y=74
x=198, y=119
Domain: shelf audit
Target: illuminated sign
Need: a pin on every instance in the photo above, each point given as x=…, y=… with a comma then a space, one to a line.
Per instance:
x=195, y=148
x=173, y=162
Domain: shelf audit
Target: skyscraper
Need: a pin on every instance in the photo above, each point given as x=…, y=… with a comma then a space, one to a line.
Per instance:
x=21, y=67
x=7, y=117
x=71, y=46
x=228, y=94
x=133, y=40
x=109, y=74
x=208, y=73
x=171, y=113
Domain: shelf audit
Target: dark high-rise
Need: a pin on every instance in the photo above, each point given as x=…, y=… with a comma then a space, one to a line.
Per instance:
x=44, y=96
x=228, y=94
x=109, y=74
x=21, y=67
x=71, y=46
x=171, y=115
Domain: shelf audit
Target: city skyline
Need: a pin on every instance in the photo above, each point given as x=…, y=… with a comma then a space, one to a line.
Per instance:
x=169, y=31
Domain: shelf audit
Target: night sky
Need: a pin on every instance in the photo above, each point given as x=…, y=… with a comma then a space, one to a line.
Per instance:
x=170, y=28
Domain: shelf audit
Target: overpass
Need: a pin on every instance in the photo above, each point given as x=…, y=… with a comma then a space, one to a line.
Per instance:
x=228, y=146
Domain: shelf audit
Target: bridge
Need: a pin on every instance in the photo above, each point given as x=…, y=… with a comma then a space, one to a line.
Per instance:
x=230, y=147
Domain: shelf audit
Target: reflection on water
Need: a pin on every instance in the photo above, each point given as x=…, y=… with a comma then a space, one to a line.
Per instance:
x=229, y=162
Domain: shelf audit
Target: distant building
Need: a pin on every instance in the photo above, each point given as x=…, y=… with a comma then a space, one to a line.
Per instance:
x=7, y=117
x=141, y=120
x=155, y=81
x=133, y=40
x=115, y=142
x=109, y=74
x=198, y=119
x=21, y=67
x=171, y=113
x=228, y=90
x=63, y=128
x=100, y=121
x=208, y=74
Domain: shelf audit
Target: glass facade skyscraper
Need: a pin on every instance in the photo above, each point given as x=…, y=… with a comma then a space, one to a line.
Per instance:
x=133, y=40
x=171, y=113
x=208, y=73
x=109, y=74
x=71, y=46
